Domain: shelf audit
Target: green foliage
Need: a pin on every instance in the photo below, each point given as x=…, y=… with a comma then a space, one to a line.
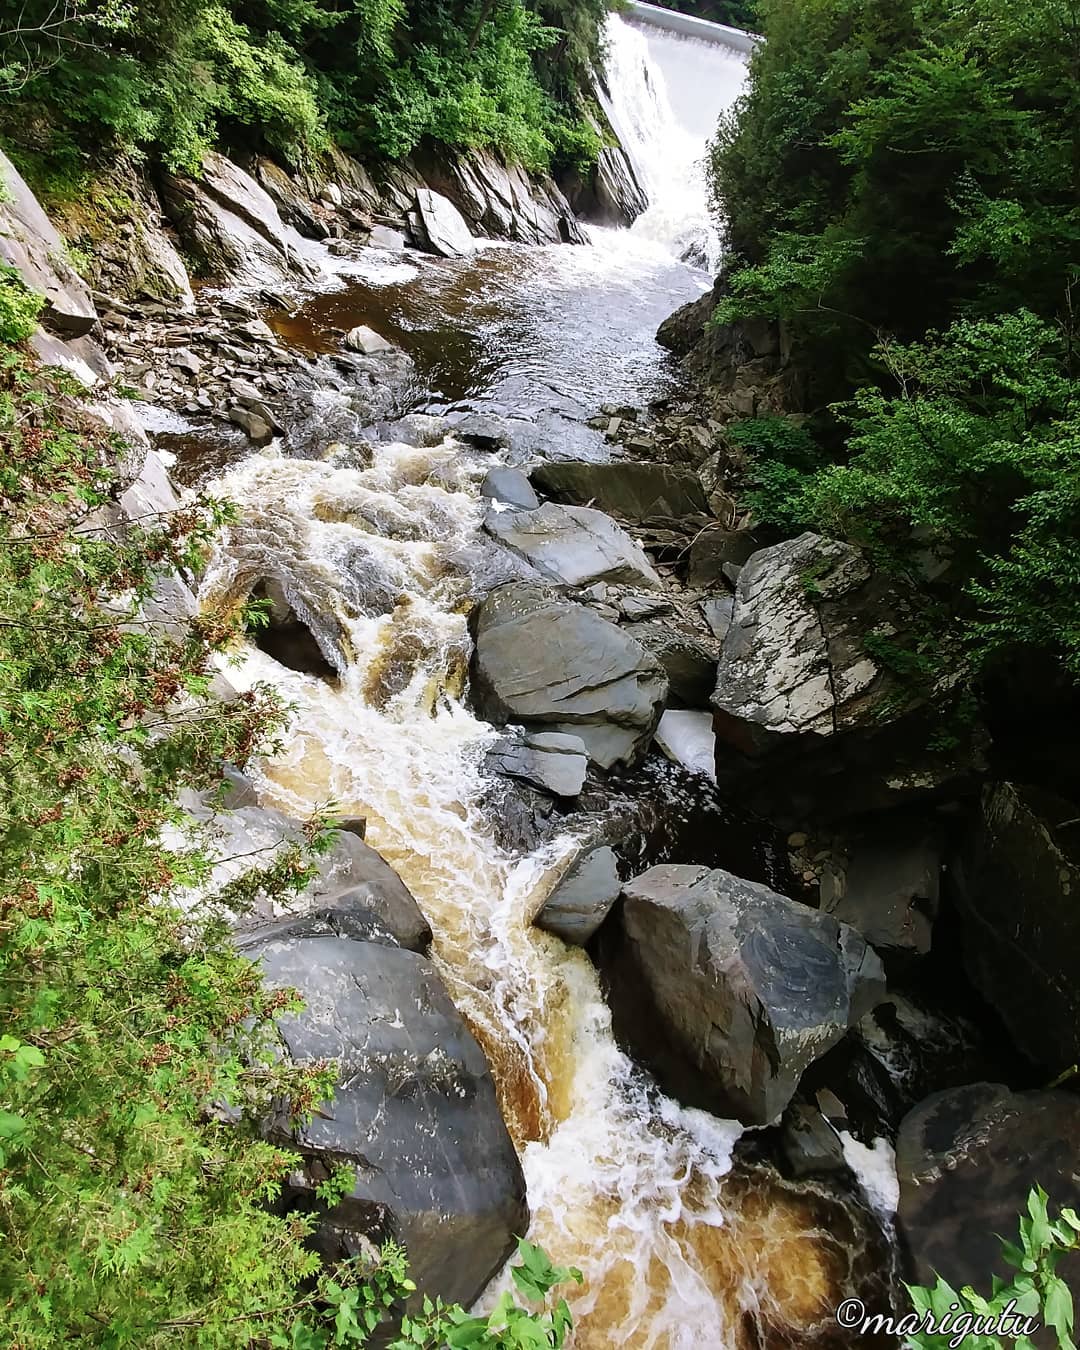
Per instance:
x=381, y=76
x=1036, y=1294
x=139, y=1053
x=782, y=458
x=19, y=306
x=735, y=13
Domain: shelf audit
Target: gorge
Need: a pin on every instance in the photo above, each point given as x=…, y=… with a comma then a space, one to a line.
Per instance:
x=647, y=851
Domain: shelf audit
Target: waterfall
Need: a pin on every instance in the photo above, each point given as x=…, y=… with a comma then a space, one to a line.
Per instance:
x=664, y=95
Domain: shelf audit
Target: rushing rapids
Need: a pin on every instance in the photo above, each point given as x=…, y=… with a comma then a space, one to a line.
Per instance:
x=678, y=1244
x=623, y=1182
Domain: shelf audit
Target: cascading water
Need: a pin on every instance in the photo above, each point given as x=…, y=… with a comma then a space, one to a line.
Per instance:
x=623, y=1182
x=664, y=95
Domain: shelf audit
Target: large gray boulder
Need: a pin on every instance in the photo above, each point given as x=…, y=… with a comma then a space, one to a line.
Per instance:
x=687, y=655
x=812, y=718
x=551, y=663
x=232, y=225
x=352, y=876
x=582, y=897
x=966, y=1160
x=573, y=545
x=445, y=229
x=729, y=991
x=30, y=244
x=1016, y=880
x=414, y=1110
x=627, y=488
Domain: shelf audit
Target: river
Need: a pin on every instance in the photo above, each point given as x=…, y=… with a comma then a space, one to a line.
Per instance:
x=678, y=1249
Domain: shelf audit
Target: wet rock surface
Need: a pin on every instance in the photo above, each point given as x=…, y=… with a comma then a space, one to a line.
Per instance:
x=743, y=988
x=414, y=1111
x=1015, y=880
x=966, y=1160
x=582, y=898
x=573, y=545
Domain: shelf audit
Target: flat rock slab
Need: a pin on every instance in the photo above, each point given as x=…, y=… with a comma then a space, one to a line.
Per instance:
x=556, y=665
x=444, y=225
x=573, y=545
x=737, y=989
x=628, y=488
x=549, y=760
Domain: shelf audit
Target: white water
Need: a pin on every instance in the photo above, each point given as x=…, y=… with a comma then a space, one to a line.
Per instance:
x=665, y=96
x=622, y=1182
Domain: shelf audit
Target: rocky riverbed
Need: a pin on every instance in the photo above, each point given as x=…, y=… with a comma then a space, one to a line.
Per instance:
x=562, y=678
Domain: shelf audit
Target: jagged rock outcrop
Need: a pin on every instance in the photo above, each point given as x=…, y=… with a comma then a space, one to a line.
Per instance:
x=810, y=719
x=629, y=488
x=573, y=545
x=744, y=368
x=582, y=897
x=414, y=1111
x=729, y=991
x=30, y=244
x=1016, y=882
x=233, y=227
x=551, y=663
x=611, y=194
x=966, y=1160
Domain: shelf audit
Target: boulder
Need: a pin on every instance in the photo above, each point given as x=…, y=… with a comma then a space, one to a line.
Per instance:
x=30, y=244
x=715, y=548
x=414, y=1111
x=887, y=884
x=717, y=611
x=509, y=486
x=636, y=491
x=581, y=898
x=1016, y=879
x=730, y=990
x=811, y=720
x=687, y=656
x=573, y=545
x=444, y=226
x=966, y=1160
x=366, y=340
x=351, y=877
x=551, y=663
x=686, y=737
x=547, y=759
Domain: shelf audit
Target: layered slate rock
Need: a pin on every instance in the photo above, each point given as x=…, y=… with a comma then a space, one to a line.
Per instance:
x=628, y=488
x=573, y=545
x=966, y=1160
x=1016, y=881
x=811, y=718
x=414, y=1110
x=30, y=244
x=729, y=991
x=444, y=227
x=550, y=663
x=687, y=655
x=582, y=897
x=232, y=224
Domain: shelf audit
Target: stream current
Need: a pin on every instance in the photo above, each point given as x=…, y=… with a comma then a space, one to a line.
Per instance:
x=678, y=1247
